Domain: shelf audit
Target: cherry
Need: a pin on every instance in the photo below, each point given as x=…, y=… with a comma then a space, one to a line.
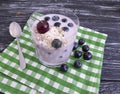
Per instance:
x=42, y=26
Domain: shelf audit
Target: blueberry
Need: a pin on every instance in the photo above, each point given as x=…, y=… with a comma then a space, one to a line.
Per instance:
x=55, y=18
x=64, y=68
x=65, y=50
x=56, y=43
x=57, y=24
x=65, y=29
x=75, y=46
x=47, y=18
x=70, y=24
x=49, y=53
x=87, y=56
x=77, y=54
x=64, y=20
x=81, y=41
x=85, y=48
x=60, y=56
x=77, y=64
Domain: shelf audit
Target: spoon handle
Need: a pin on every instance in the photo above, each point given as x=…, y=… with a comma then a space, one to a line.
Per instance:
x=21, y=58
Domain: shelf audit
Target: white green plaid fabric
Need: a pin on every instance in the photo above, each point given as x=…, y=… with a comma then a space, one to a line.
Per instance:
x=50, y=80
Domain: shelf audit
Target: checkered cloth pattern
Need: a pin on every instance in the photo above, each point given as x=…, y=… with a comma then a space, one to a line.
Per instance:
x=37, y=78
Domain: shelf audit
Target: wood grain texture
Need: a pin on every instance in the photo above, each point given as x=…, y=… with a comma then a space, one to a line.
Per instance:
x=100, y=15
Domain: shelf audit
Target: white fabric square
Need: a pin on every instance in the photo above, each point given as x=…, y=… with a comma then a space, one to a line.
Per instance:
x=11, y=53
x=34, y=64
x=6, y=72
x=99, y=55
x=85, y=67
x=41, y=89
x=4, y=80
x=66, y=89
x=46, y=80
x=13, y=84
x=78, y=34
x=82, y=75
x=32, y=91
x=29, y=72
x=51, y=71
x=102, y=41
x=13, y=64
x=32, y=85
x=27, y=36
x=14, y=76
x=80, y=85
x=100, y=48
x=91, y=89
x=31, y=53
x=96, y=62
x=76, y=92
x=73, y=71
x=23, y=88
x=92, y=46
x=29, y=43
x=94, y=38
x=93, y=79
x=43, y=67
x=23, y=80
x=22, y=41
x=37, y=76
x=95, y=70
x=86, y=36
x=69, y=80
x=56, y=85
x=5, y=61
x=60, y=75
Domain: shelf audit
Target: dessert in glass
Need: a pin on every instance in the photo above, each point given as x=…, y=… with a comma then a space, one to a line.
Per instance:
x=54, y=34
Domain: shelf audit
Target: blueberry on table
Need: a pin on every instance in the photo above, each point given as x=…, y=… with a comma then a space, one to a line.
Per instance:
x=64, y=68
x=55, y=18
x=57, y=24
x=56, y=43
x=87, y=56
x=77, y=54
x=85, y=48
x=81, y=41
x=75, y=46
x=42, y=26
x=77, y=64
x=47, y=18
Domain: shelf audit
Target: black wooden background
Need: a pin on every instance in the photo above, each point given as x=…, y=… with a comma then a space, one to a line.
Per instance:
x=100, y=15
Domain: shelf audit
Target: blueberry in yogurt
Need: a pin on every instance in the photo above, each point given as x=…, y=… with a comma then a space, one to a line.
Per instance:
x=56, y=43
x=57, y=24
x=65, y=29
x=64, y=20
x=55, y=18
x=47, y=18
x=70, y=24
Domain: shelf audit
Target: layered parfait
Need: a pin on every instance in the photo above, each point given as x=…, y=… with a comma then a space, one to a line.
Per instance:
x=54, y=36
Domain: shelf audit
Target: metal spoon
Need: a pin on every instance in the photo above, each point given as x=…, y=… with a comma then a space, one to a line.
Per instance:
x=16, y=31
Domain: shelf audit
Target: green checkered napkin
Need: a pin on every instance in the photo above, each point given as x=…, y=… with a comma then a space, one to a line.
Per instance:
x=50, y=80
